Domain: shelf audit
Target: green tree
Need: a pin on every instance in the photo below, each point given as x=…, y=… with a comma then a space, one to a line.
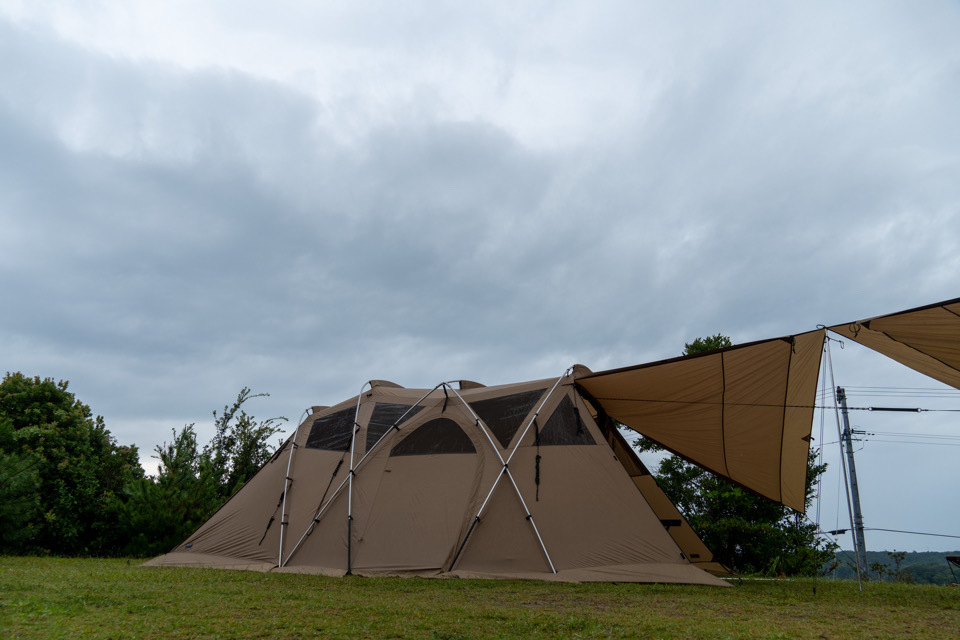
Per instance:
x=240, y=445
x=19, y=501
x=79, y=468
x=193, y=482
x=746, y=532
x=159, y=512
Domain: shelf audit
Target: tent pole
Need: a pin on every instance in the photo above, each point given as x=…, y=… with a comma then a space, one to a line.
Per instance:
x=477, y=421
x=286, y=488
x=476, y=519
x=506, y=471
x=323, y=507
x=353, y=442
x=533, y=524
x=537, y=413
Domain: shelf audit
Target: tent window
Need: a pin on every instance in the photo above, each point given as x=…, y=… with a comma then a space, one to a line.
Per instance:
x=565, y=426
x=384, y=415
x=441, y=435
x=505, y=414
x=332, y=432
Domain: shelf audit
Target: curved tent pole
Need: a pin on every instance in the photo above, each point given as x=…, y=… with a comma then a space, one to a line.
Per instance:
x=530, y=519
x=353, y=441
x=322, y=509
x=506, y=472
x=477, y=421
x=286, y=488
x=537, y=412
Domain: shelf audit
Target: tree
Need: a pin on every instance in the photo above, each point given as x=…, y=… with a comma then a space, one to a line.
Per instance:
x=19, y=501
x=158, y=513
x=746, y=532
x=193, y=482
x=79, y=469
x=239, y=447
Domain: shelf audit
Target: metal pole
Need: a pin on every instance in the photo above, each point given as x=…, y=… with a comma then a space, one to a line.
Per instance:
x=506, y=472
x=861, y=547
x=322, y=509
x=286, y=489
x=353, y=440
x=843, y=462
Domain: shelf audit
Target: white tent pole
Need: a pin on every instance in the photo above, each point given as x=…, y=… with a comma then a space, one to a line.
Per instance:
x=323, y=507
x=353, y=441
x=530, y=518
x=477, y=421
x=540, y=408
x=286, y=488
x=506, y=470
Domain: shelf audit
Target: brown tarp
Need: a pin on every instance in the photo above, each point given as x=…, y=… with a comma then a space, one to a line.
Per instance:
x=744, y=412
x=926, y=339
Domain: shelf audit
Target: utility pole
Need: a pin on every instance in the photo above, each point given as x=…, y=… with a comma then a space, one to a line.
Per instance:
x=858, y=543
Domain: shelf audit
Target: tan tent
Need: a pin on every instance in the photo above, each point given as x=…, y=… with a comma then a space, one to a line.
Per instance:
x=528, y=480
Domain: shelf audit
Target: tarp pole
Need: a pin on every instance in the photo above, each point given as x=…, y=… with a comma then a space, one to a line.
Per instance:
x=843, y=464
x=322, y=509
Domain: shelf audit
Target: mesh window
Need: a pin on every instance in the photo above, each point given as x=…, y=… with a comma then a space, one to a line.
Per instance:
x=565, y=426
x=332, y=432
x=442, y=435
x=384, y=415
x=505, y=414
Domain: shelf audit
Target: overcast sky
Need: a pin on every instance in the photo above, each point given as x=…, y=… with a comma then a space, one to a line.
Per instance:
x=302, y=196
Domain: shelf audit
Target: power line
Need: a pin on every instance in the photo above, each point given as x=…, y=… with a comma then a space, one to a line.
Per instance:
x=914, y=533
x=774, y=405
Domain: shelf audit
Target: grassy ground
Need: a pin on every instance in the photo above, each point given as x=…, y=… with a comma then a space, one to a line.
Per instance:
x=54, y=598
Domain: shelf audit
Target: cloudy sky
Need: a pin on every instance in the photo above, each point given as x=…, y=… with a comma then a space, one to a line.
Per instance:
x=302, y=196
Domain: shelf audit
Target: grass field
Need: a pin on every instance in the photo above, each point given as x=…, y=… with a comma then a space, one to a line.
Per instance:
x=89, y=598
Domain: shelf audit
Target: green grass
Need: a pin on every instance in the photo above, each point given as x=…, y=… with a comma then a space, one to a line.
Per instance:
x=91, y=598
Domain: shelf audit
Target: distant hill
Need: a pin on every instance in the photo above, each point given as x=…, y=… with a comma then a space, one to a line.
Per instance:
x=922, y=567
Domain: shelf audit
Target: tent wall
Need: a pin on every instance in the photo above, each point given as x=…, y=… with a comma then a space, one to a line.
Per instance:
x=674, y=522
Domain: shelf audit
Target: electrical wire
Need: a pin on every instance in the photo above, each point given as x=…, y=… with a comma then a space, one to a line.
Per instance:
x=914, y=533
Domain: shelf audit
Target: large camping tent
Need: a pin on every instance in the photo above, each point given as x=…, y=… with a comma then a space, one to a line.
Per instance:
x=533, y=480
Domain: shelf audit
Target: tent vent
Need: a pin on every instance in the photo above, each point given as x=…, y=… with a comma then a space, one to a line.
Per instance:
x=504, y=415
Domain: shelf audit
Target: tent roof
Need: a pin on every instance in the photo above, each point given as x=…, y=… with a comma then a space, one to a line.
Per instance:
x=743, y=412
x=926, y=339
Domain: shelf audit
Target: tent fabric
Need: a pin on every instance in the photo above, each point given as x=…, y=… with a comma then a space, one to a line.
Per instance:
x=926, y=339
x=744, y=412
x=677, y=526
x=431, y=496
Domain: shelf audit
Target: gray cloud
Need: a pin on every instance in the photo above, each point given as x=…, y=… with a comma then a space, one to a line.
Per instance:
x=493, y=198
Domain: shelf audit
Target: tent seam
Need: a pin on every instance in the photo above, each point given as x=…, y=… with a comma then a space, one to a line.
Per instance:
x=783, y=418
